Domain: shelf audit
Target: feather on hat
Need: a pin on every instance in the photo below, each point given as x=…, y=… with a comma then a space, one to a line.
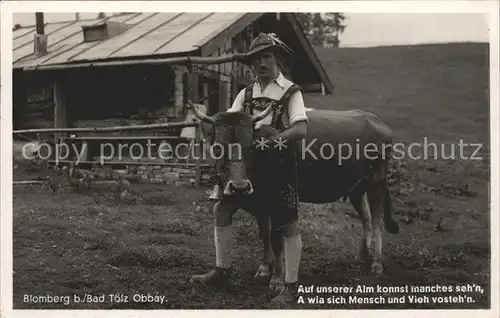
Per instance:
x=265, y=41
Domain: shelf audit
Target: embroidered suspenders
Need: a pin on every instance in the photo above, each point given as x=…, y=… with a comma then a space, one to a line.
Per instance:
x=279, y=107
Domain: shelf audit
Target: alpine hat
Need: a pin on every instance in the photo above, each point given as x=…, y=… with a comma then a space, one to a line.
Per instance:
x=266, y=41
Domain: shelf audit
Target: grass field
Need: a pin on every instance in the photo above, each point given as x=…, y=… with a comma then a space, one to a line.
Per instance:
x=70, y=243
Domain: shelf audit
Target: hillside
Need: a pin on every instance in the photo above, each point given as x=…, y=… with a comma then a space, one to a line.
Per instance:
x=439, y=91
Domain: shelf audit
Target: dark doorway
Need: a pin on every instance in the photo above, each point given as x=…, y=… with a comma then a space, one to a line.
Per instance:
x=211, y=94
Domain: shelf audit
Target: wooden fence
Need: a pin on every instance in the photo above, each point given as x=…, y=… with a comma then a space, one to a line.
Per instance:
x=76, y=136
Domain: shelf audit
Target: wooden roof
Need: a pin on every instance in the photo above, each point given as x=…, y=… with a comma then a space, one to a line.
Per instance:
x=147, y=35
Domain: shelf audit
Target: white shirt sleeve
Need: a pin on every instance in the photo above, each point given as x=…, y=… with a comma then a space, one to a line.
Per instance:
x=238, y=102
x=296, y=109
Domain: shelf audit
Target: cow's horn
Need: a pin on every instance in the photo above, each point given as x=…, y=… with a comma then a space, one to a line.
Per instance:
x=263, y=115
x=202, y=117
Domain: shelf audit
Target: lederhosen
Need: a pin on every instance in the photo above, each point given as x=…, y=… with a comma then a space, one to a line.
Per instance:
x=274, y=171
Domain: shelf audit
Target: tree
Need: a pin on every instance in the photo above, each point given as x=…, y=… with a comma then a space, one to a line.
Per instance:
x=336, y=26
x=305, y=21
x=322, y=29
x=318, y=30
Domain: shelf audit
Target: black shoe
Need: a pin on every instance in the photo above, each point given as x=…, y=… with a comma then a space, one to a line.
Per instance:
x=287, y=295
x=217, y=276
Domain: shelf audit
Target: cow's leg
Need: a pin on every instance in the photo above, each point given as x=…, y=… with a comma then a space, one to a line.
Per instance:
x=359, y=201
x=277, y=281
x=375, y=196
x=272, y=238
x=252, y=206
x=265, y=268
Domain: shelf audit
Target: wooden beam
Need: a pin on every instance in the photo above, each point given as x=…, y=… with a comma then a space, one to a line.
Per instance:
x=218, y=66
x=27, y=182
x=131, y=163
x=205, y=99
x=198, y=153
x=312, y=88
x=60, y=118
x=227, y=95
x=203, y=71
x=234, y=88
x=182, y=60
x=222, y=104
x=123, y=138
x=192, y=86
x=179, y=92
x=108, y=129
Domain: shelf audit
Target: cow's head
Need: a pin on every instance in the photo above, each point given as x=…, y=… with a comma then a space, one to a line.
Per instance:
x=231, y=138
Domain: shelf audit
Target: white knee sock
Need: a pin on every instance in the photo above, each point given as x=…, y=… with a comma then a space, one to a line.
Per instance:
x=293, y=251
x=223, y=236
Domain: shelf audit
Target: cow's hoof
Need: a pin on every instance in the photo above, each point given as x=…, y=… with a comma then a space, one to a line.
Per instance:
x=364, y=257
x=276, y=284
x=262, y=275
x=286, y=297
x=264, y=270
x=377, y=268
x=392, y=226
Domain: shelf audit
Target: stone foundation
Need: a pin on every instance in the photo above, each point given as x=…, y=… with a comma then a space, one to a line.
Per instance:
x=153, y=174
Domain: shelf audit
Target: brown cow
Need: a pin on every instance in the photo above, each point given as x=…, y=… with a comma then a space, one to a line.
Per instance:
x=357, y=170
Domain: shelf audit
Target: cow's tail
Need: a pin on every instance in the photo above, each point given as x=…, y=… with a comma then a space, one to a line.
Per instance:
x=391, y=224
